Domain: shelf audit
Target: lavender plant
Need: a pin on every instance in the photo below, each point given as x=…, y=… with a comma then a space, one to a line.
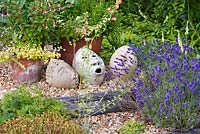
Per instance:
x=167, y=87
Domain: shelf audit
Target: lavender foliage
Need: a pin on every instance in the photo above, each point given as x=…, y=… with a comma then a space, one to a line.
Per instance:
x=169, y=92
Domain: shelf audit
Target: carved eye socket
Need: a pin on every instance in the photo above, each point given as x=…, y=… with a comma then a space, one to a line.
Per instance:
x=84, y=57
x=94, y=64
x=93, y=55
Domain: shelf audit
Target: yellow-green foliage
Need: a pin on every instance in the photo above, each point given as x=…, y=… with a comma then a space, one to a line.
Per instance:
x=132, y=127
x=47, y=123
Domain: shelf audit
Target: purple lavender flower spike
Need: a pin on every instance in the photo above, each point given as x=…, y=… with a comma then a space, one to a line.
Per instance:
x=192, y=86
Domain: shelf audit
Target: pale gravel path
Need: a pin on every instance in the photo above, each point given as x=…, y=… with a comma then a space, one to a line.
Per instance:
x=101, y=124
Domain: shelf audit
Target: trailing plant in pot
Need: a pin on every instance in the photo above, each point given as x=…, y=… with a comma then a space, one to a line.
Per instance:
x=26, y=60
x=49, y=22
x=24, y=35
x=20, y=20
x=84, y=23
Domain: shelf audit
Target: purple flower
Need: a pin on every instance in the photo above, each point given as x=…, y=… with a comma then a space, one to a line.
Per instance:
x=184, y=104
x=183, y=94
x=166, y=112
x=157, y=69
x=171, y=79
x=198, y=106
x=176, y=89
x=119, y=59
x=165, y=45
x=176, y=49
x=139, y=83
x=146, y=91
x=114, y=68
x=164, y=69
x=123, y=56
x=195, y=65
x=185, y=48
x=178, y=75
x=167, y=96
x=173, y=65
x=126, y=70
x=133, y=80
x=192, y=86
x=184, y=40
x=156, y=81
x=118, y=74
x=122, y=64
x=139, y=98
x=199, y=77
x=184, y=84
x=143, y=43
x=138, y=71
x=186, y=65
x=151, y=51
x=109, y=75
x=158, y=50
x=160, y=109
x=130, y=58
x=171, y=109
x=116, y=61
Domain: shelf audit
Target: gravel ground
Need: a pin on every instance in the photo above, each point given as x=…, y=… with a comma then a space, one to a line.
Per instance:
x=101, y=124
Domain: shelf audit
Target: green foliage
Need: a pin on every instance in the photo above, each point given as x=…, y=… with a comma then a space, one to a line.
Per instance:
x=44, y=124
x=27, y=102
x=147, y=20
x=106, y=51
x=24, y=24
x=83, y=18
x=132, y=127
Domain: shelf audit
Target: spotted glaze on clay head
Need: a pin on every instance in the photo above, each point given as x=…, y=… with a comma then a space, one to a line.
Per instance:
x=89, y=66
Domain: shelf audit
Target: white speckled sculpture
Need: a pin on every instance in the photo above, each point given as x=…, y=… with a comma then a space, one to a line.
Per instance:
x=89, y=66
x=60, y=74
x=123, y=62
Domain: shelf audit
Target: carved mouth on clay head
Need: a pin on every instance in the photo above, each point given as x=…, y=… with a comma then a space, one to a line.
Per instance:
x=98, y=71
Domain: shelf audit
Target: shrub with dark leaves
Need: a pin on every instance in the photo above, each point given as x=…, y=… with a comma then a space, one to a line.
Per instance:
x=167, y=87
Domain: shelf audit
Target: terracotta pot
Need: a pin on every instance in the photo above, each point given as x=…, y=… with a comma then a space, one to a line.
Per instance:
x=68, y=51
x=30, y=74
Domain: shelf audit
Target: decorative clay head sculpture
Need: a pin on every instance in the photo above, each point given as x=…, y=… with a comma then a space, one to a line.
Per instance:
x=89, y=66
x=61, y=74
x=123, y=62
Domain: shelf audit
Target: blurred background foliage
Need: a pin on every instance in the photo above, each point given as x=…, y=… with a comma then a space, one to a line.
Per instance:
x=148, y=20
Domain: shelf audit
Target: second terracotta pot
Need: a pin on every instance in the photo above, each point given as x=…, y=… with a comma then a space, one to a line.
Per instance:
x=68, y=51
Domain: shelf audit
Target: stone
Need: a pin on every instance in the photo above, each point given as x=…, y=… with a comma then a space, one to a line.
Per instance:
x=123, y=62
x=60, y=74
x=89, y=66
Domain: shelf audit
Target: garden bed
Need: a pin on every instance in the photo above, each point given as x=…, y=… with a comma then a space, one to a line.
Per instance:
x=101, y=124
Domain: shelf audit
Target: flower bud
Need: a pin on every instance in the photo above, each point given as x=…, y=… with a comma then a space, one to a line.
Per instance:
x=114, y=19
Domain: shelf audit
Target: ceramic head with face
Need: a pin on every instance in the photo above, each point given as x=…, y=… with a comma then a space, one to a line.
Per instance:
x=89, y=66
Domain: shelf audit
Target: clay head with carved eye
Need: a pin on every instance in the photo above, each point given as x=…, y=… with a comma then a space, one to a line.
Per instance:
x=123, y=62
x=89, y=66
